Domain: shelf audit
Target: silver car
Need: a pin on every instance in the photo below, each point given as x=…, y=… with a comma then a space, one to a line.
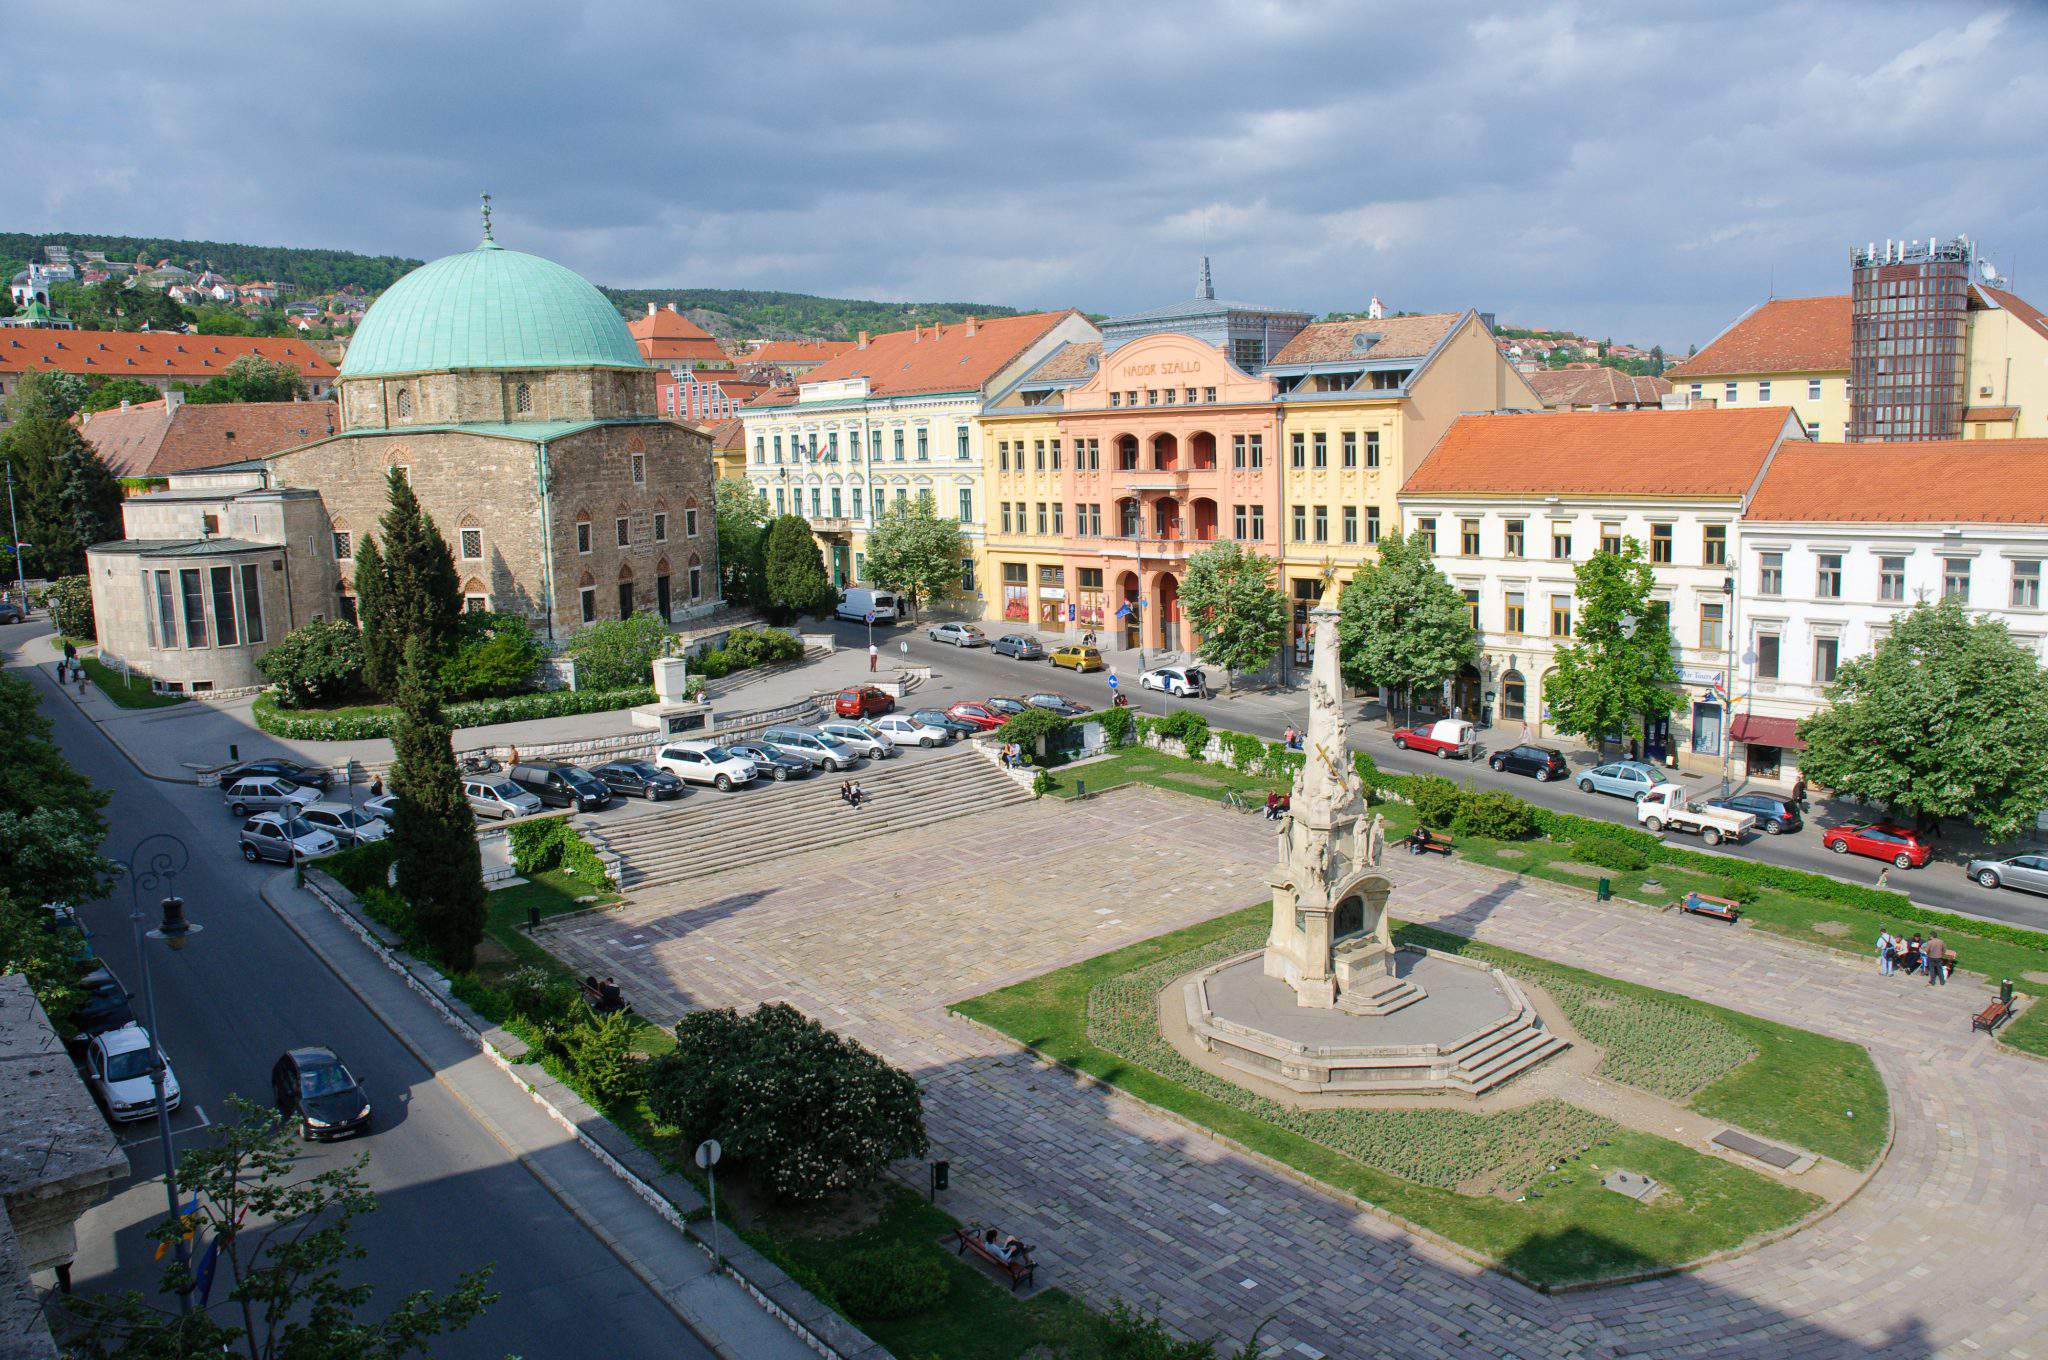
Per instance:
x=812, y=745
x=284, y=838
x=2028, y=873
x=860, y=737
x=267, y=793
x=497, y=796
x=350, y=826
x=959, y=634
x=1622, y=778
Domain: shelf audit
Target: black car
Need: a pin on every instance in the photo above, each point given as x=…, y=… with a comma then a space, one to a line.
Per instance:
x=770, y=763
x=557, y=784
x=1544, y=763
x=100, y=1012
x=1775, y=816
x=10, y=612
x=307, y=776
x=316, y=1086
x=639, y=779
x=945, y=722
x=1007, y=706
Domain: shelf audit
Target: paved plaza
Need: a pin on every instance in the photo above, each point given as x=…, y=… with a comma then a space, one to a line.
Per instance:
x=1938, y=1255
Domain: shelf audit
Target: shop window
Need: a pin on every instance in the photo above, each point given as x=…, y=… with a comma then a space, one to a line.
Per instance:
x=1514, y=697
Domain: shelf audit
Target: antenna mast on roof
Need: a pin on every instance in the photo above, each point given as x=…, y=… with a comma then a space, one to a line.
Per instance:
x=1208, y=288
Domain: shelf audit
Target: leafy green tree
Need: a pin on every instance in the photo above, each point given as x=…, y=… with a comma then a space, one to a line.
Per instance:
x=223, y=321
x=250, y=378
x=65, y=496
x=1235, y=609
x=1948, y=717
x=809, y=1114
x=495, y=655
x=49, y=395
x=619, y=653
x=1400, y=624
x=433, y=832
x=914, y=550
x=382, y=644
x=1619, y=668
x=793, y=570
x=111, y=392
x=316, y=665
x=70, y=600
x=283, y=1238
x=112, y=307
x=88, y=493
x=742, y=537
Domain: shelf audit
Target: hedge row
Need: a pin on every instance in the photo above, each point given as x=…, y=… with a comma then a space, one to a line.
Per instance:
x=543, y=843
x=366, y=724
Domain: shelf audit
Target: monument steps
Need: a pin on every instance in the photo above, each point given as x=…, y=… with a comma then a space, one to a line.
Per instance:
x=1518, y=1044
x=708, y=832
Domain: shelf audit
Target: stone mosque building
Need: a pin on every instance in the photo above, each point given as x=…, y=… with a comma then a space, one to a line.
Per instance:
x=511, y=395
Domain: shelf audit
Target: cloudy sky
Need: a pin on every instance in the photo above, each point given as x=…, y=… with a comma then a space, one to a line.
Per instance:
x=1645, y=171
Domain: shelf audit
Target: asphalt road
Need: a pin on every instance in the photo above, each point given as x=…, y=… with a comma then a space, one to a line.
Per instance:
x=969, y=673
x=449, y=1197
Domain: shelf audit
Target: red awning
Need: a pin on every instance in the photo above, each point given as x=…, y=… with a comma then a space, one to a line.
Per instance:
x=1782, y=733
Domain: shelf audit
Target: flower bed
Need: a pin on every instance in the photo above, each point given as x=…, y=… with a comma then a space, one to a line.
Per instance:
x=369, y=722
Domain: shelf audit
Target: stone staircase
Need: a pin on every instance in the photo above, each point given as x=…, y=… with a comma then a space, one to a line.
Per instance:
x=1512, y=1045
x=708, y=832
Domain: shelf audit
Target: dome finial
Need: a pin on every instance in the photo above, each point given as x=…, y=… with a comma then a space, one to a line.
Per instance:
x=488, y=242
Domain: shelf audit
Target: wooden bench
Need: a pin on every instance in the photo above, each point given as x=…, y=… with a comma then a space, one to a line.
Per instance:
x=1424, y=842
x=1019, y=1270
x=602, y=999
x=1988, y=1019
x=1720, y=908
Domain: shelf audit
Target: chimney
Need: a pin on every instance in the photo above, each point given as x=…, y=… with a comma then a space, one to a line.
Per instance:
x=124, y=403
x=672, y=307
x=651, y=309
x=916, y=334
x=173, y=399
x=973, y=324
x=863, y=342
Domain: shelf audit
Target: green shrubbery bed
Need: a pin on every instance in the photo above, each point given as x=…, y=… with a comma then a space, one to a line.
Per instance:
x=372, y=721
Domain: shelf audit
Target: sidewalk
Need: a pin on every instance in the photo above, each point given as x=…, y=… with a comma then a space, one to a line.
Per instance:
x=713, y=1304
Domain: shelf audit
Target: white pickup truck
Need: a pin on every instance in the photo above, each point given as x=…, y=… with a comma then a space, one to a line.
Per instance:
x=1667, y=805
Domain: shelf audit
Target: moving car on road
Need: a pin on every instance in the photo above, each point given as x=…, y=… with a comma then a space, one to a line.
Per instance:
x=859, y=737
x=979, y=716
x=10, y=612
x=493, y=795
x=1451, y=737
x=117, y=1068
x=958, y=635
x=808, y=743
x=312, y=776
x=1055, y=703
x=907, y=729
x=558, y=784
x=1774, y=815
x=862, y=701
x=1667, y=805
x=1541, y=763
x=267, y=793
x=284, y=838
x=2028, y=873
x=1187, y=682
x=770, y=763
x=349, y=826
x=318, y=1088
x=1079, y=659
x=1018, y=647
x=639, y=779
x=704, y=762
x=1621, y=778
x=1879, y=840
x=953, y=727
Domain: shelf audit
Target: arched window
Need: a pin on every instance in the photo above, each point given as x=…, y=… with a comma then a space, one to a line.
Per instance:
x=696, y=578
x=404, y=403
x=522, y=398
x=1514, y=697
x=476, y=599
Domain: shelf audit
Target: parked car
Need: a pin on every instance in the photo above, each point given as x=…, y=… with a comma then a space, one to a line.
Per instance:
x=99, y=1013
x=384, y=807
x=1445, y=739
x=639, y=779
x=267, y=793
x=1543, y=763
x=1776, y=816
x=493, y=795
x=2028, y=873
x=1621, y=778
x=770, y=763
x=284, y=838
x=980, y=717
x=558, y=784
x=316, y=1086
x=312, y=776
x=10, y=612
x=1056, y=703
x=704, y=762
x=958, y=635
x=1081, y=659
x=859, y=602
x=1018, y=647
x=349, y=826
x=1185, y=681
x=117, y=1069
x=859, y=737
x=907, y=729
x=1005, y=705
x=862, y=701
x=808, y=744
x=1879, y=840
x=938, y=717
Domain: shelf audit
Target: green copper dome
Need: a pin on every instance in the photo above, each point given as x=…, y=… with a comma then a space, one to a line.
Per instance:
x=490, y=308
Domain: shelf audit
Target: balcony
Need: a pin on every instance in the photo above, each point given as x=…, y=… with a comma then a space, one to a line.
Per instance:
x=838, y=525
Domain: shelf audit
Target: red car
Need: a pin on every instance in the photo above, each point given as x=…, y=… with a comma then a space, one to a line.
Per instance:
x=864, y=701
x=983, y=718
x=1879, y=840
x=1445, y=739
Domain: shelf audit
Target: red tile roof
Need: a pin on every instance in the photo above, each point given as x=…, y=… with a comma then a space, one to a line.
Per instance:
x=952, y=358
x=148, y=354
x=1397, y=337
x=1784, y=335
x=799, y=351
x=1943, y=481
x=2025, y=311
x=1703, y=452
x=1598, y=385
x=728, y=436
x=148, y=440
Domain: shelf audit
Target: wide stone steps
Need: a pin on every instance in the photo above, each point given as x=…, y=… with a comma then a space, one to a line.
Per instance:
x=709, y=832
x=1503, y=1050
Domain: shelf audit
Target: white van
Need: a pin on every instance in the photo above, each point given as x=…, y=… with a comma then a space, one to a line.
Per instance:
x=860, y=601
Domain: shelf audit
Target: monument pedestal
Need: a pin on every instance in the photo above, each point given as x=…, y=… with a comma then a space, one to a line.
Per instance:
x=673, y=713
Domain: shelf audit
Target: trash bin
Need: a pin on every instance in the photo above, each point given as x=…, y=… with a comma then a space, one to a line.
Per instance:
x=1606, y=891
x=2005, y=991
x=1081, y=790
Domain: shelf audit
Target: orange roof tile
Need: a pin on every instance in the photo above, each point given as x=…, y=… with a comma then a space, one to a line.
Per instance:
x=147, y=440
x=1701, y=452
x=2025, y=311
x=1595, y=385
x=799, y=351
x=1399, y=337
x=728, y=436
x=953, y=358
x=148, y=354
x=1942, y=481
x=1784, y=335
x=663, y=334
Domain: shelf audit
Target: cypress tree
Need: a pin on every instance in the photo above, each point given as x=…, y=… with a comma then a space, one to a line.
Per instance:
x=383, y=648
x=433, y=832
x=425, y=595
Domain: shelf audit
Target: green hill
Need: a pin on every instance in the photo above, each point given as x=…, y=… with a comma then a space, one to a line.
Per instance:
x=305, y=271
x=744, y=312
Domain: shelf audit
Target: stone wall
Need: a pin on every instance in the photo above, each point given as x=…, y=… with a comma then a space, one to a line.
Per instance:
x=592, y=482
x=122, y=602
x=483, y=396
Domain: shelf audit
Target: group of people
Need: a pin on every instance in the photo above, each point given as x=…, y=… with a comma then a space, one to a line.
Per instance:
x=1277, y=805
x=1900, y=954
x=1013, y=755
x=852, y=794
x=1293, y=738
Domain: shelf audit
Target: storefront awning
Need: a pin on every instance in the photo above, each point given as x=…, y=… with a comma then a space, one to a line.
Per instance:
x=1782, y=733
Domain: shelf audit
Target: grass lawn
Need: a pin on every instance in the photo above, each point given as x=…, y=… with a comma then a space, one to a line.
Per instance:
x=126, y=691
x=1143, y=765
x=1567, y=1228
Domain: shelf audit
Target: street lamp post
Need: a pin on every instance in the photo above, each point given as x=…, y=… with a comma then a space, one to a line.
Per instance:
x=154, y=867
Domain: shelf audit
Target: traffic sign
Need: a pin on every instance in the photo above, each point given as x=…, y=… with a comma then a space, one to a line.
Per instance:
x=1112, y=679
x=871, y=616
x=708, y=1153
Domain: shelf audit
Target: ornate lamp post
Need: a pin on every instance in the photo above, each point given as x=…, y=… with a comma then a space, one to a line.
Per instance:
x=154, y=867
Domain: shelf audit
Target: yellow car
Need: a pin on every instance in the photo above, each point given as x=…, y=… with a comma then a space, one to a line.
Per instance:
x=1078, y=658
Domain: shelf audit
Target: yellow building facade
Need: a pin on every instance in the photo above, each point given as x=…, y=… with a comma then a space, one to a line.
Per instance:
x=1027, y=585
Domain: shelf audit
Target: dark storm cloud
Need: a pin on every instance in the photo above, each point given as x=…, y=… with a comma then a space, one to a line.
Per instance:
x=1641, y=171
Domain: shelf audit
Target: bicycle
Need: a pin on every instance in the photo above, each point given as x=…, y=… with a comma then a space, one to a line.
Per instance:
x=1239, y=803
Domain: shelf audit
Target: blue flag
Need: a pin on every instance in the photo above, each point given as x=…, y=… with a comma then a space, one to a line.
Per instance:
x=202, y=1278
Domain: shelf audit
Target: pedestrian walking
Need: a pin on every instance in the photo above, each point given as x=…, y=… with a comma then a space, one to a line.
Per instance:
x=874, y=658
x=1799, y=792
x=1936, y=955
x=1884, y=875
x=1886, y=957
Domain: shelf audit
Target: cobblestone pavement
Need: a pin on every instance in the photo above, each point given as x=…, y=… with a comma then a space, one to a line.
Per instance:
x=1940, y=1254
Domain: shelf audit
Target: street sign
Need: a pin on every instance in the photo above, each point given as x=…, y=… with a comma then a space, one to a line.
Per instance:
x=871, y=616
x=1112, y=679
x=708, y=1153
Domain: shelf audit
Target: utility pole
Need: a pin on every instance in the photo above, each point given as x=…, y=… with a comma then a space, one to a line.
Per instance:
x=14, y=524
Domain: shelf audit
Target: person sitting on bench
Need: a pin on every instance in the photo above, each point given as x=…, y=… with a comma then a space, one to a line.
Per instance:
x=609, y=997
x=1421, y=841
